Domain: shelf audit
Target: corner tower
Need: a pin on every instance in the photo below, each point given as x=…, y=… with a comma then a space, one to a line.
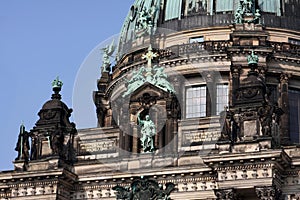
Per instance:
x=230, y=64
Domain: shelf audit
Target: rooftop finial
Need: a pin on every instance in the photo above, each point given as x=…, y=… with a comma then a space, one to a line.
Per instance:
x=56, y=87
x=57, y=84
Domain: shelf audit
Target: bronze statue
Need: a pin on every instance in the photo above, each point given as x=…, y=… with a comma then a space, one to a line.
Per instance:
x=144, y=189
x=148, y=131
x=107, y=54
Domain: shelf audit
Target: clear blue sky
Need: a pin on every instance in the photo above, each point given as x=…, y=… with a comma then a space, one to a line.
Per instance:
x=40, y=40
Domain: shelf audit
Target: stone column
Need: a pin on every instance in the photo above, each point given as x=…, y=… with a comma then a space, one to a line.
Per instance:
x=210, y=95
x=235, y=83
x=135, y=139
x=100, y=116
x=284, y=105
x=126, y=130
x=108, y=118
x=268, y=193
x=169, y=126
x=168, y=135
x=226, y=194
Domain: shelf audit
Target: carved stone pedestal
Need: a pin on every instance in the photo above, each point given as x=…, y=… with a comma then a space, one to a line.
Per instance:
x=20, y=165
x=46, y=164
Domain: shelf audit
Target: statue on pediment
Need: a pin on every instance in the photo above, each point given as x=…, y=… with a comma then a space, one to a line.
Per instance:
x=160, y=80
x=238, y=16
x=136, y=81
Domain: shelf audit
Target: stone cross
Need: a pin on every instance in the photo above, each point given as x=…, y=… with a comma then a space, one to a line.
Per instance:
x=149, y=56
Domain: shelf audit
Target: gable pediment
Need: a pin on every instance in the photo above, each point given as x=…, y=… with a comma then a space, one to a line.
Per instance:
x=150, y=89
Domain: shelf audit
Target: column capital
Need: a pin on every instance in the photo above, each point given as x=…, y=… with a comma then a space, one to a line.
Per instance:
x=268, y=192
x=226, y=194
x=284, y=77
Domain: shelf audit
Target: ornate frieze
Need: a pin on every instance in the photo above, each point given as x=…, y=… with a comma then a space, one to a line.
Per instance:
x=33, y=189
x=286, y=48
x=189, y=182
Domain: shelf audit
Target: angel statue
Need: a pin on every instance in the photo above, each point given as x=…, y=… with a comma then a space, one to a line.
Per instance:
x=107, y=53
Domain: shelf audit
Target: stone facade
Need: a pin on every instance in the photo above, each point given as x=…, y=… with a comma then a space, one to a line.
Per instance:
x=226, y=131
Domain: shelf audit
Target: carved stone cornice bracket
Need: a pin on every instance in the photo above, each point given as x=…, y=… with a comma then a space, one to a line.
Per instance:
x=268, y=193
x=5, y=193
x=226, y=194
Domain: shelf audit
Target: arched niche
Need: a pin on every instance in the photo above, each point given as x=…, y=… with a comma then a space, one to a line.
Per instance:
x=163, y=109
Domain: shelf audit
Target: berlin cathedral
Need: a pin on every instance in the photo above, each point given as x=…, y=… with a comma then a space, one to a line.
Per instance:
x=196, y=100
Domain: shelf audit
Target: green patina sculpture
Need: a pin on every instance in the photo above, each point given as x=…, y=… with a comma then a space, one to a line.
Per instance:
x=144, y=189
x=142, y=21
x=136, y=25
x=247, y=8
x=107, y=54
x=252, y=58
x=148, y=131
x=136, y=81
x=238, y=17
x=145, y=21
x=257, y=17
x=57, y=84
x=160, y=80
x=154, y=75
